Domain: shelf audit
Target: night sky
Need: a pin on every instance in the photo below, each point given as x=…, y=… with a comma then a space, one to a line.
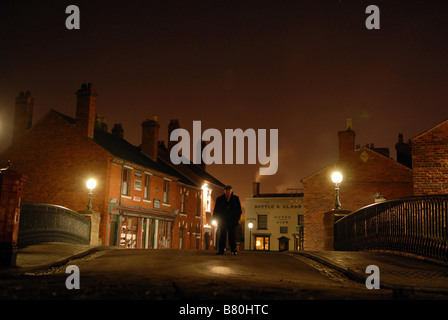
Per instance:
x=302, y=67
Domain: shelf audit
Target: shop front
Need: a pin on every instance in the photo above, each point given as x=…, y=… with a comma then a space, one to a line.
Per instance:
x=276, y=223
x=140, y=229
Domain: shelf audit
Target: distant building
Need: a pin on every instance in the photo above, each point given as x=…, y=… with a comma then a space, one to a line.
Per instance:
x=144, y=200
x=277, y=221
x=369, y=176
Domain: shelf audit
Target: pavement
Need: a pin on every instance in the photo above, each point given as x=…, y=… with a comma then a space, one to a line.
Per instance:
x=48, y=255
x=397, y=272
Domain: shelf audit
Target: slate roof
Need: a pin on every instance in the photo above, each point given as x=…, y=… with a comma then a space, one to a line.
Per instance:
x=122, y=149
x=194, y=168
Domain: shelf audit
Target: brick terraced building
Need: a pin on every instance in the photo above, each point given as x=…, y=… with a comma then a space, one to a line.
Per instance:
x=144, y=201
x=368, y=173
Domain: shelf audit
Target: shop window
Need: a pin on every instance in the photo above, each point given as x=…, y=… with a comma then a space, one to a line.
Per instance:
x=148, y=233
x=262, y=243
x=164, y=234
x=129, y=232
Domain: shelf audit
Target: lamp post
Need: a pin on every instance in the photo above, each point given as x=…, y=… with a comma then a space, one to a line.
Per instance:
x=91, y=184
x=250, y=225
x=336, y=177
x=215, y=231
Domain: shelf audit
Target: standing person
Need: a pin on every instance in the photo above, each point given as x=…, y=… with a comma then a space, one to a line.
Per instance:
x=227, y=212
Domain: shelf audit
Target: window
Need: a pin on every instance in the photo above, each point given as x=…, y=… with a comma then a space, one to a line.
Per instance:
x=126, y=181
x=208, y=205
x=262, y=222
x=262, y=243
x=300, y=220
x=146, y=191
x=199, y=205
x=182, y=202
x=166, y=190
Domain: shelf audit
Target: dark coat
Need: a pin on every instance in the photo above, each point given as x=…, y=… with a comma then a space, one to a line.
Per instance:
x=227, y=213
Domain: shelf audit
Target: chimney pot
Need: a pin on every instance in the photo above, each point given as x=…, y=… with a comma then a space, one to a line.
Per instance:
x=118, y=131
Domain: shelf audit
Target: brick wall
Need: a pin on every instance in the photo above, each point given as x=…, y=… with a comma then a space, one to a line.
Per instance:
x=430, y=161
x=58, y=162
x=187, y=220
x=365, y=172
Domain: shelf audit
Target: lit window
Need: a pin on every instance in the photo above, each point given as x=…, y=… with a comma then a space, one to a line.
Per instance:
x=209, y=201
x=262, y=243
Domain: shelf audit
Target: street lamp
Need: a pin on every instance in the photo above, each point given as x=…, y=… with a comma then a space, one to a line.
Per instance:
x=250, y=225
x=336, y=177
x=91, y=184
x=215, y=232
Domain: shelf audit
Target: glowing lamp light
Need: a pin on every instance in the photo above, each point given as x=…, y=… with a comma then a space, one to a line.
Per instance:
x=336, y=177
x=250, y=225
x=91, y=184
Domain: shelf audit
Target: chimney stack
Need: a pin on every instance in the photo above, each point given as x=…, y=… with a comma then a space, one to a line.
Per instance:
x=150, y=137
x=118, y=131
x=404, y=152
x=346, y=140
x=85, y=109
x=255, y=188
x=23, y=114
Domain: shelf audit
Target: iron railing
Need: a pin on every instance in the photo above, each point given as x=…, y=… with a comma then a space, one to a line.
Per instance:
x=416, y=225
x=40, y=222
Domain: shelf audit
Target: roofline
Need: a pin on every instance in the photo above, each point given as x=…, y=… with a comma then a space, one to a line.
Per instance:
x=425, y=132
x=339, y=160
x=159, y=173
x=180, y=173
x=318, y=171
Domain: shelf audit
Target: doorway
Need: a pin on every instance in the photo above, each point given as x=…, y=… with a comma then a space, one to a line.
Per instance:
x=283, y=244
